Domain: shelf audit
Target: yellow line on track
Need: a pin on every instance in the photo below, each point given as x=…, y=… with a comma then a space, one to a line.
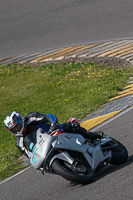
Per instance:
x=50, y=54
x=129, y=90
x=62, y=52
x=122, y=95
x=123, y=52
x=128, y=86
x=90, y=123
x=74, y=51
x=2, y=59
x=126, y=91
x=108, y=53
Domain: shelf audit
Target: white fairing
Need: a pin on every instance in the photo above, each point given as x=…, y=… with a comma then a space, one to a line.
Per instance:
x=40, y=149
x=65, y=141
x=75, y=142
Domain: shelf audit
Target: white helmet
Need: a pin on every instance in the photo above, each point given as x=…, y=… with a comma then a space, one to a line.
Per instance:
x=14, y=123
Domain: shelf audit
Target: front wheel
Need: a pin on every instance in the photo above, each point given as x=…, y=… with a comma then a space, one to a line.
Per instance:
x=119, y=154
x=79, y=173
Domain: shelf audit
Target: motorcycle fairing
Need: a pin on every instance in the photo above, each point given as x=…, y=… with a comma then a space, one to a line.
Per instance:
x=75, y=142
x=65, y=141
x=40, y=150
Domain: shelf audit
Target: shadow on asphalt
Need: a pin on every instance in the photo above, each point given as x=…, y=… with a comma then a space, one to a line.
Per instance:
x=113, y=168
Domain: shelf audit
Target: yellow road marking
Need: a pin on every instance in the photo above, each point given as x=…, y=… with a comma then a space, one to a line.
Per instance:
x=4, y=59
x=129, y=90
x=74, y=51
x=90, y=123
x=115, y=50
x=50, y=54
x=123, y=52
x=128, y=86
x=126, y=91
x=121, y=96
x=65, y=51
x=62, y=52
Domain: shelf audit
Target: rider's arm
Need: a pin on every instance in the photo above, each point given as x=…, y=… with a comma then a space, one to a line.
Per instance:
x=20, y=145
x=40, y=117
x=35, y=117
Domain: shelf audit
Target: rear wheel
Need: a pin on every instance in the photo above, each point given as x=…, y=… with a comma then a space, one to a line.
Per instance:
x=78, y=173
x=119, y=154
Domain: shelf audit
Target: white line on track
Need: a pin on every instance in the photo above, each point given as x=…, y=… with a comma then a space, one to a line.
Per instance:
x=14, y=175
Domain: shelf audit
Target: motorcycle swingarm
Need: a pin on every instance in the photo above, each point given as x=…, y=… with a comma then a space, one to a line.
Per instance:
x=62, y=156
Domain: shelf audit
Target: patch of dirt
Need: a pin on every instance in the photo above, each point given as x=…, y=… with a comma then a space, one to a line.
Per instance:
x=106, y=61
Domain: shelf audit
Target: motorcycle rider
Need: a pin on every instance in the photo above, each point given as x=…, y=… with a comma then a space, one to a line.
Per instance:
x=24, y=128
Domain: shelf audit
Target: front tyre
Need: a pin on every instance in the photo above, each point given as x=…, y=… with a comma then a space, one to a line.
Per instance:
x=79, y=173
x=119, y=154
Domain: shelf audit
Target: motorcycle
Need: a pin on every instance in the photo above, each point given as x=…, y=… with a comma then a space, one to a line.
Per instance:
x=72, y=156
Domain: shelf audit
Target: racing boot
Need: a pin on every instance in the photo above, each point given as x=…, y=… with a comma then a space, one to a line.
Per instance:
x=95, y=135
x=90, y=135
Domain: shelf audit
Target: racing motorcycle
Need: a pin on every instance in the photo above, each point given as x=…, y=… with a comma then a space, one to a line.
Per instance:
x=72, y=156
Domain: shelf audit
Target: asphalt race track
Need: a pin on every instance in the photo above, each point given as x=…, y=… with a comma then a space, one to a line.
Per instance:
x=31, y=26
x=36, y=25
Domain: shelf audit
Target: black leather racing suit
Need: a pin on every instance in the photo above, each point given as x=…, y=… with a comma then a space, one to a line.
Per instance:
x=31, y=121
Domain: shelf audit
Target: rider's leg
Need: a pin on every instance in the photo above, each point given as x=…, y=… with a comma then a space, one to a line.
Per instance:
x=86, y=134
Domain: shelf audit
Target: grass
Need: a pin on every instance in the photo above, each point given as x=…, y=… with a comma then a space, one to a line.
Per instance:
x=67, y=90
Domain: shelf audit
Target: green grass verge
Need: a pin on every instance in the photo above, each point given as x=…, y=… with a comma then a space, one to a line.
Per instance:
x=67, y=90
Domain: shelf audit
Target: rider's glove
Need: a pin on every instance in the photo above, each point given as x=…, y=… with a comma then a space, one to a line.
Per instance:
x=100, y=133
x=54, y=126
x=74, y=125
x=95, y=135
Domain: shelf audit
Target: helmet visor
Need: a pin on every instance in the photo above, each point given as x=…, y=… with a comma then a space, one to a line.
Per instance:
x=17, y=128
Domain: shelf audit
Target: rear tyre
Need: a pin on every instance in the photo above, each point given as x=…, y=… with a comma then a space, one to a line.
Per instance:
x=80, y=173
x=119, y=154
